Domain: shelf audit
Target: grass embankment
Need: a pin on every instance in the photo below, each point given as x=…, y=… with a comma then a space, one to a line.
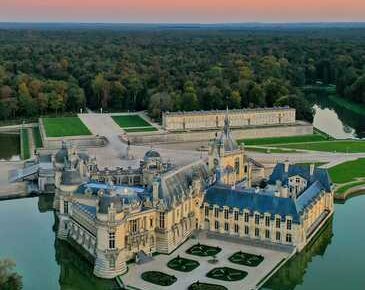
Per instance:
x=284, y=140
x=269, y=150
x=65, y=126
x=347, y=176
x=25, y=151
x=340, y=146
x=37, y=138
x=133, y=123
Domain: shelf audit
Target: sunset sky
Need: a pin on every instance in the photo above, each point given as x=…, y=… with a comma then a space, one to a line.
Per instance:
x=192, y=11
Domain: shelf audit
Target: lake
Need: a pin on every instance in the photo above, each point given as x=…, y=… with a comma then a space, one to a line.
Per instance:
x=333, y=261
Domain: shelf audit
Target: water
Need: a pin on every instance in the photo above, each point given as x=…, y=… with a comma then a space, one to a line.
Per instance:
x=335, y=260
x=27, y=236
x=335, y=119
x=9, y=147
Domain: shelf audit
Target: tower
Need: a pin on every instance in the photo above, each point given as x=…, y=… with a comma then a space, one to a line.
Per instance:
x=227, y=159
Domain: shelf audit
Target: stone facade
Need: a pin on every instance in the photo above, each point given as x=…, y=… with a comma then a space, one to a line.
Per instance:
x=203, y=120
x=118, y=221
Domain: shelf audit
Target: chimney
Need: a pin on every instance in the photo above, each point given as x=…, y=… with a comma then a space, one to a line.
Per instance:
x=311, y=169
x=286, y=166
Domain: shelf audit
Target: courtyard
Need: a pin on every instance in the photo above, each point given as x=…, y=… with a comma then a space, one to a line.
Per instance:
x=204, y=262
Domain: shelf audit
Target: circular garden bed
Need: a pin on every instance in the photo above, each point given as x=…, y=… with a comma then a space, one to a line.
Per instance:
x=227, y=274
x=182, y=264
x=203, y=250
x=158, y=278
x=246, y=259
x=206, y=286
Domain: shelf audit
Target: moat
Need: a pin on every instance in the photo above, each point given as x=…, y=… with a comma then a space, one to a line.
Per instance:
x=333, y=261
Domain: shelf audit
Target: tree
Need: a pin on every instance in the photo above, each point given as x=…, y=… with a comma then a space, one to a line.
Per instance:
x=189, y=98
x=26, y=103
x=235, y=100
x=159, y=102
x=9, y=280
x=302, y=106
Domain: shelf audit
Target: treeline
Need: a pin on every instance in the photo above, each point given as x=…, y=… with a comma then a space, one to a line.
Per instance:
x=53, y=72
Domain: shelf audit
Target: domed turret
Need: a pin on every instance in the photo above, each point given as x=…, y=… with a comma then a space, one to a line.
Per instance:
x=110, y=201
x=62, y=153
x=151, y=154
x=70, y=177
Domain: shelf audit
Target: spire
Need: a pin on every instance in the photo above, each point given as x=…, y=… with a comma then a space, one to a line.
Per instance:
x=226, y=123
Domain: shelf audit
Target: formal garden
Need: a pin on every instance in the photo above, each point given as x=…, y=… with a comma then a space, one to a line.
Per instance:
x=133, y=123
x=65, y=126
x=206, y=286
x=227, y=274
x=158, y=278
x=183, y=264
x=246, y=259
x=203, y=250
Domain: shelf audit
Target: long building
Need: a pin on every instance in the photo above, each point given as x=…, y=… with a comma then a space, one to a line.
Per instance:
x=203, y=120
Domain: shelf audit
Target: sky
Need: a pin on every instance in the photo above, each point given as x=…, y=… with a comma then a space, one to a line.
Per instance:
x=185, y=11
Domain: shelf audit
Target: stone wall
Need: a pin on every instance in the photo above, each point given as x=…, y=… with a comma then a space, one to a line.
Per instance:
x=299, y=128
x=201, y=120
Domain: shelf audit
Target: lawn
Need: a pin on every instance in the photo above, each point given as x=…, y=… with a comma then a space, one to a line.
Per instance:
x=37, y=137
x=348, y=171
x=141, y=129
x=65, y=126
x=341, y=146
x=284, y=140
x=341, y=190
x=25, y=151
x=246, y=259
x=269, y=150
x=205, y=286
x=203, y=250
x=227, y=274
x=130, y=121
x=158, y=278
x=182, y=264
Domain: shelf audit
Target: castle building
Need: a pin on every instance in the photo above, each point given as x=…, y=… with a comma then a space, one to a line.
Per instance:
x=120, y=215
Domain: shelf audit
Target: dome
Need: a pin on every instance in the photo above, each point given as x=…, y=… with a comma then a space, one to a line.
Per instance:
x=106, y=202
x=61, y=155
x=151, y=154
x=71, y=177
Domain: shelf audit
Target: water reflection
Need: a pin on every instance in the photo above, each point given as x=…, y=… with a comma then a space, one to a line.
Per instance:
x=293, y=272
x=9, y=147
x=333, y=118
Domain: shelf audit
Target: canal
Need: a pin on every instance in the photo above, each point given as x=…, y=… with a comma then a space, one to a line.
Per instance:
x=333, y=261
x=9, y=147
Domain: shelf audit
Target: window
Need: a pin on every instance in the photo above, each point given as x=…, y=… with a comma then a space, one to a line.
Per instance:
x=151, y=223
x=112, y=263
x=162, y=220
x=278, y=236
x=288, y=238
x=65, y=207
x=257, y=219
x=226, y=212
x=297, y=180
x=236, y=214
x=236, y=228
x=216, y=225
x=257, y=232
x=134, y=226
x=237, y=165
x=206, y=211
x=267, y=221
x=247, y=231
x=246, y=217
x=216, y=212
x=112, y=240
x=267, y=234
x=226, y=227
x=278, y=223
x=288, y=224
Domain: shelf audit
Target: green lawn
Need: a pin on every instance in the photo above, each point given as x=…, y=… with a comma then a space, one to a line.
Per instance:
x=270, y=150
x=203, y=250
x=348, y=171
x=182, y=264
x=226, y=274
x=341, y=190
x=158, y=278
x=284, y=140
x=37, y=137
x=341, y=146
x=65, y=126
x=25, y=151
x=206, y=286
x=130, y=121
x=246, y=259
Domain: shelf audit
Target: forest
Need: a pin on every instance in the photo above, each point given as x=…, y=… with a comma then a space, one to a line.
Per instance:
x=54, y=72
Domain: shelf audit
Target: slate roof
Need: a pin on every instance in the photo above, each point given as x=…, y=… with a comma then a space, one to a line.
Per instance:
x=247, y=199
x=320, y=174
x=308, y=196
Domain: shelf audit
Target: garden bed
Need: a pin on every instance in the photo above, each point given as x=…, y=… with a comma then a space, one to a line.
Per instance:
x=203, y=250
x=182, y=264
x=227, y=274
x=158, y=278
x=246, y=259
x=206, y=286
